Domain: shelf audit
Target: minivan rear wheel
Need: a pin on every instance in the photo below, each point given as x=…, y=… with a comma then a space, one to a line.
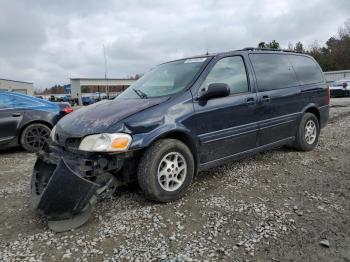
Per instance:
x=166, y=170
x=308, y=133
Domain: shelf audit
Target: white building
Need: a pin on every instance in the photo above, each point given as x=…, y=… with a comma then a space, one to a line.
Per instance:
x=17, y=86
x=337, y=75
x=91, y=85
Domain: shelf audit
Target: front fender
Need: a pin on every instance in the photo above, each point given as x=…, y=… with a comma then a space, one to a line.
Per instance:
x=141, y=141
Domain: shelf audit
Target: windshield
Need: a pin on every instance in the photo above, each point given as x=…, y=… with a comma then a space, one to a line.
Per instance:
x=165, y=80
x=340, y=83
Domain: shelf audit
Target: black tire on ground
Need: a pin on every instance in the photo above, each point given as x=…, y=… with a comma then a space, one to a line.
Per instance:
x=34, y=136
x=155, y=159
x=301, y=142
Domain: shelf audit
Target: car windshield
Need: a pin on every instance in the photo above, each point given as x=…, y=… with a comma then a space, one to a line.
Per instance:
x=165, y=80
x=340, y=83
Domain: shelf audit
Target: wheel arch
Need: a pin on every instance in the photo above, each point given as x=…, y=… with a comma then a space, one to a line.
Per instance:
x=313, y=110
x=184, y=137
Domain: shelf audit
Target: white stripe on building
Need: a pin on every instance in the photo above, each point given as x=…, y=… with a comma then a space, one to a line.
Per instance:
x=337, y=75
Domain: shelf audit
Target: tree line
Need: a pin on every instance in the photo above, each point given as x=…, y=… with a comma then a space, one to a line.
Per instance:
x=333, y=55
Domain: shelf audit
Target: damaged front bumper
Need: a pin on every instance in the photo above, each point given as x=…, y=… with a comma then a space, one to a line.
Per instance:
x=65, y=186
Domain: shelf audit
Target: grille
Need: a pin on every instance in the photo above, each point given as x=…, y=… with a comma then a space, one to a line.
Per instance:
x=72, y=143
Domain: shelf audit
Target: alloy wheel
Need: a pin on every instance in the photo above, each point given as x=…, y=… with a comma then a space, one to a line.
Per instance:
x=36, y=136
x=172, y=171
x=310, y=132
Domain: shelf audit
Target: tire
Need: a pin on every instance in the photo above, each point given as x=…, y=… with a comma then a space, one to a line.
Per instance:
x=166, y=170
x=34, y=136
x=307, y=141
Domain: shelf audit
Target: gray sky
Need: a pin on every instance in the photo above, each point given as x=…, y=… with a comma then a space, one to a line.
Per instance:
x=47, y=42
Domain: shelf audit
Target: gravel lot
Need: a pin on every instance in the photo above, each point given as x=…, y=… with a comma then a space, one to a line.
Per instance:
x=281, y=205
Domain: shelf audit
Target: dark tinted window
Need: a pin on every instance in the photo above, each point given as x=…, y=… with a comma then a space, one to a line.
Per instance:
x=231, y=71
x=306, y=69
x=273, y=71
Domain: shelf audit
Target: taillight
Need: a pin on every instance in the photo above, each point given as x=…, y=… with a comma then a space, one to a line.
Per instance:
x=68, y=110
x=328, y=95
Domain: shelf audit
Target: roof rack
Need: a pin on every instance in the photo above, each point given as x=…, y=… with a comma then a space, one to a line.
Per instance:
x=269, y=49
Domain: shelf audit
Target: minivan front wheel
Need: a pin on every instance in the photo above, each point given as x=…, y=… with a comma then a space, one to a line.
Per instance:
x=308, y=133
x=166, y=170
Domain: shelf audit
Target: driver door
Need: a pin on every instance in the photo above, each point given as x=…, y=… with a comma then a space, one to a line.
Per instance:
x=227, y=126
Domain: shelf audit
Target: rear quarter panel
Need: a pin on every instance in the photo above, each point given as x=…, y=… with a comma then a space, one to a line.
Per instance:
x=316, y=96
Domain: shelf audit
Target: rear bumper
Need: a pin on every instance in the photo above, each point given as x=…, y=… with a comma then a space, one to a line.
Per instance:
x=324, y=115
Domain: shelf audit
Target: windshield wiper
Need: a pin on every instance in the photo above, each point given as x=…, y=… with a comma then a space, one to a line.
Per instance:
x=140, y=93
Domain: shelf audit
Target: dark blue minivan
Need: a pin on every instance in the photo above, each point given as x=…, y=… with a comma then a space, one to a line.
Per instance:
x=181, y=117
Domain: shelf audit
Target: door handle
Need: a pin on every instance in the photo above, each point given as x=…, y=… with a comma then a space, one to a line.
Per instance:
x=250, y=101
x=16, y=114
x=265, y=99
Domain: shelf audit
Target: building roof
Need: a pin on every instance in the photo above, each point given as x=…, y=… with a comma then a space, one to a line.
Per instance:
x=16, y=81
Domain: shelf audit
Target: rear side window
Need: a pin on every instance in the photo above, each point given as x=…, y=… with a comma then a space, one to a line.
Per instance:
x=231, y=71
x=306, y=69
x=273, y=71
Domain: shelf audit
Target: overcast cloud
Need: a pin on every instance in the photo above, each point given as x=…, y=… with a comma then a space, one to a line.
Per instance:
x=47, y=42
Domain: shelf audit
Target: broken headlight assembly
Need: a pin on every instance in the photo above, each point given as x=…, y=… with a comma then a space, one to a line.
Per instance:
x=105, y=142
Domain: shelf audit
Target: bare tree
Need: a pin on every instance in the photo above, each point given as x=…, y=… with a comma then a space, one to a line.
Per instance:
x=290, y=46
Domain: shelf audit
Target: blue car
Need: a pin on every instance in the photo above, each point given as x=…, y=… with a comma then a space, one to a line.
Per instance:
x=87, y=100
x=27, y=120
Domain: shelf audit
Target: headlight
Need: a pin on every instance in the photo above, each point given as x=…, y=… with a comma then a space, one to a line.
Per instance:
x=106, y=142
x=53, y=133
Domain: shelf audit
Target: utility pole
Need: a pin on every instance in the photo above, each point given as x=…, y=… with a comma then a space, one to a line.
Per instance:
x=106, y=79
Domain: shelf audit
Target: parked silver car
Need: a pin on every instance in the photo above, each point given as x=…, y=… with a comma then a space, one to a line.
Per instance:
x=340, y=88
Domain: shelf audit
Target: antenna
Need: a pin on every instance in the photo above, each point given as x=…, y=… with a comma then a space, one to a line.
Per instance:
x=107, y=87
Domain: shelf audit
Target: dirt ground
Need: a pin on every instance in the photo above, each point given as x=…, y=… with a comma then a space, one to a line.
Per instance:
x=281, y=205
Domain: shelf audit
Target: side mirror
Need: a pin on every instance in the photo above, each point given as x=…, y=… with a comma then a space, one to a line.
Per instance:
x=345, y=84
x=215, y=90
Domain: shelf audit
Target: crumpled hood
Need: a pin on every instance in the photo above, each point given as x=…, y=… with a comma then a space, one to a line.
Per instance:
x=98, y=117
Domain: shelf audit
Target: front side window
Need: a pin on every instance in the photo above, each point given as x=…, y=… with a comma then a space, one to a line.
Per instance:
x=230, y=71
x=166, y=79
x=273, y=71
